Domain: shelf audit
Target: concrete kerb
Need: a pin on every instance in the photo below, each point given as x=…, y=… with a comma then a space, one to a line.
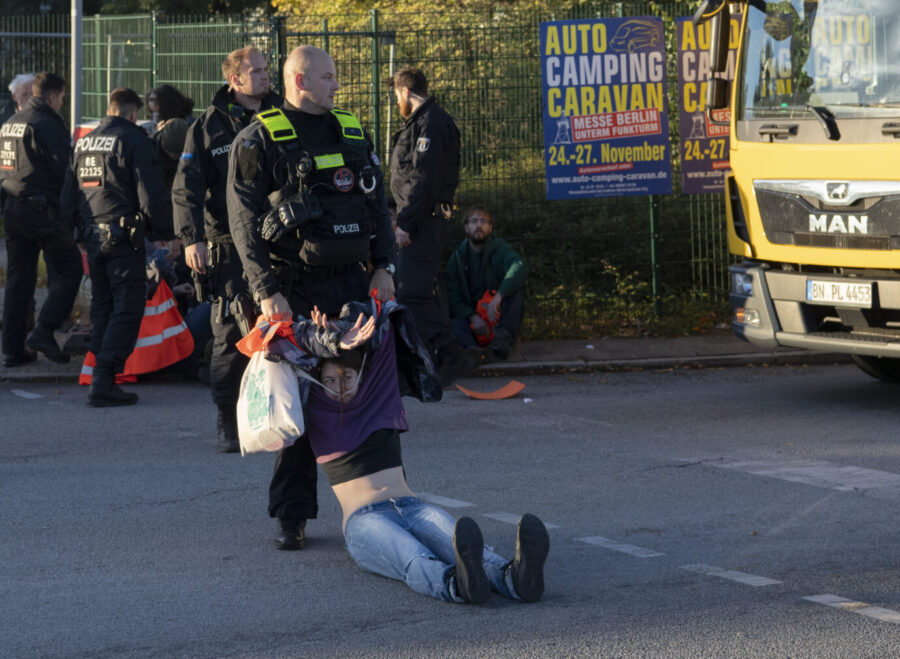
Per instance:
x=523, y=368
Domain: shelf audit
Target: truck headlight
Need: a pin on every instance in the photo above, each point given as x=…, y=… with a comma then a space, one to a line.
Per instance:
x=741, y=284
x=748, y=317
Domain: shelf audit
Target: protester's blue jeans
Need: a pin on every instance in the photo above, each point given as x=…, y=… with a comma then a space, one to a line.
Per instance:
x=412, y=541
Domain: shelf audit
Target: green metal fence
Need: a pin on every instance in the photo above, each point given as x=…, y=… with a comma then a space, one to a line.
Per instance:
x=591, y=259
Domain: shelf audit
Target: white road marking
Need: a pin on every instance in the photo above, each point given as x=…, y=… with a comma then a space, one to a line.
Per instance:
x=863, y=609
x=817, y=473
x=731, y=575
x=444, y=501
x=25, y=394
x=509, y=518
x=632, y=550
x=185, y=433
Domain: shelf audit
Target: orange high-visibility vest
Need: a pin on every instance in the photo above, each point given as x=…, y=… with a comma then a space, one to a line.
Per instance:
x=163, y=339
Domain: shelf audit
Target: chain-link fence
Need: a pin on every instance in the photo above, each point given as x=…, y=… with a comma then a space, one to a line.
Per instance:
x=592, y=260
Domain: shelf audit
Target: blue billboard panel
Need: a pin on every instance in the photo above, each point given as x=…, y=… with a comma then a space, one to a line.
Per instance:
x=606, y=131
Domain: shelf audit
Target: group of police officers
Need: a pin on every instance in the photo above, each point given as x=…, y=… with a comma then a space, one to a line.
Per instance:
x=280, y=206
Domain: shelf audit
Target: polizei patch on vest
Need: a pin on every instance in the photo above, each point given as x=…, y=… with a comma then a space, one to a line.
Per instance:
x=95, y=144
x=12, y=130
x=343, y=179
x=422, y=144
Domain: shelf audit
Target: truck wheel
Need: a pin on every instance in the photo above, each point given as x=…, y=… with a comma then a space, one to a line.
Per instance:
x=883, y=368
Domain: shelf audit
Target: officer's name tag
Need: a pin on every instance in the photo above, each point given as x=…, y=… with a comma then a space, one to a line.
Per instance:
x=102, y=143
x=7, y=154
x=12, y=130
x=342, y=229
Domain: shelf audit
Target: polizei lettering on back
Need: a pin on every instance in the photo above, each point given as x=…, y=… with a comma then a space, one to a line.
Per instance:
x=103, y=143
x=12, y=130
x=838, y=223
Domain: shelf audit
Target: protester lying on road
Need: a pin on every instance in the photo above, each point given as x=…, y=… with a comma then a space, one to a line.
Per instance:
x=354, y=420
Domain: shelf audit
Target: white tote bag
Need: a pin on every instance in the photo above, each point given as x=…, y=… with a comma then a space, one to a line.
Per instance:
x=269, y=412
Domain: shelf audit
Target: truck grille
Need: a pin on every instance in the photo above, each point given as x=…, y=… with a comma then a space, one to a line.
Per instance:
x=841, y=240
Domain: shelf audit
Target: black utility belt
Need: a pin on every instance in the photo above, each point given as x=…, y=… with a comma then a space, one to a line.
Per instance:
x=322, y=271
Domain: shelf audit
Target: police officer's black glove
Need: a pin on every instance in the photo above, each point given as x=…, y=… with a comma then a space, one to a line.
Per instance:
x=303, y=208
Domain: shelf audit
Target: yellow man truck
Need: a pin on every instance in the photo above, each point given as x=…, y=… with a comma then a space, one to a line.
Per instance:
x=813, y=195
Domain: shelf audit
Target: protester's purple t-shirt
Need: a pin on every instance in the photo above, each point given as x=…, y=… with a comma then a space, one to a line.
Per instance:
x=336, y=428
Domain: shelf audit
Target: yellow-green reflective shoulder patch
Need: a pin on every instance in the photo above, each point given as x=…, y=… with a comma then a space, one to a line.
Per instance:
x=350, y=126
x=329, y=160
x=278, y=125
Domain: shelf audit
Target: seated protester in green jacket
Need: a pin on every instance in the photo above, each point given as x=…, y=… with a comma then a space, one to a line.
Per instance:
x=485, y=286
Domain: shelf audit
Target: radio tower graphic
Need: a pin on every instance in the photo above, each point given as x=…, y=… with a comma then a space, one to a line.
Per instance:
x=698, y=129
x=563, y=134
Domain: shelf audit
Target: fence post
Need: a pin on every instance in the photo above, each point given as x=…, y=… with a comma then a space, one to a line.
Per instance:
x=654, y=258
x=154, y=17
x=325, y=33
x=376, y=65
x=279, y=49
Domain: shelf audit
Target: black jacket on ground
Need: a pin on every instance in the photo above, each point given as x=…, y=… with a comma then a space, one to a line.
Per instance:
x=424, y=164
x=198, y=196
x=114, y=174
x=34, y=152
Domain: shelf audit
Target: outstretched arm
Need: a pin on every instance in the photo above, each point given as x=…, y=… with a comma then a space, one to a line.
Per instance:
x=358, y=334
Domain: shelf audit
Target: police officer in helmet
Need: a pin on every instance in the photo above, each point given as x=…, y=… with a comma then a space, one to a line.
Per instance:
x=307, y=211
x=34, y=155
x=114, y=193
x=201, y=221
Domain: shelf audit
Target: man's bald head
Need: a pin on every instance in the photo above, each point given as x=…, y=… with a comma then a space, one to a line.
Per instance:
x=310, y=79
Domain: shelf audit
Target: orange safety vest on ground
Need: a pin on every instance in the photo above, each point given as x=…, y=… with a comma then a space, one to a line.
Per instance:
x=163, y=339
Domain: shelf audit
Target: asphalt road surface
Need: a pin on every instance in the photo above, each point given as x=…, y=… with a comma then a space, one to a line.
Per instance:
x=740, y=512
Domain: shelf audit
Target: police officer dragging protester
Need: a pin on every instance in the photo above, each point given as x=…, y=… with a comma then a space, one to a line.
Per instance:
x=34, y=156
x=307, y=211
x=114, y=193
x=424, y=177
x=201, y=221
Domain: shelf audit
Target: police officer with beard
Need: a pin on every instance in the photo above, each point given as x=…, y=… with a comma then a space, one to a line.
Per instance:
x=114, y=193
x=34, y=154
x=424, y=177
x=201, y=221
x=307, y=210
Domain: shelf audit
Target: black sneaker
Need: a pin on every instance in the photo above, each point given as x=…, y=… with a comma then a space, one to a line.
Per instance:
x=532, y=547
x=502, y=344
x=25, y=357
x=42, y=340
x=468, y=545
x=292, y=534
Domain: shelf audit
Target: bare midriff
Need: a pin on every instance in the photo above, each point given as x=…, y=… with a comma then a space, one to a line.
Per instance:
x=373, y=488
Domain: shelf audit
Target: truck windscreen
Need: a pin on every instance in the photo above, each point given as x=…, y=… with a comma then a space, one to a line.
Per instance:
x=843, y=55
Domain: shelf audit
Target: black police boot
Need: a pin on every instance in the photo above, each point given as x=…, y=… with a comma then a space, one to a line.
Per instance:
x=468, y=544
x=41, y=339
x=292, y=534
x=105, y=392
x=25, y=357
x=226, y=430
x=527, y=569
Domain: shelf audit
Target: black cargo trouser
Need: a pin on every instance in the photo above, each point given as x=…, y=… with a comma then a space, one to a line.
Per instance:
x=32, y=228
x=292, y=492
x=420, y=282
x=227, y=363
x=118, y=298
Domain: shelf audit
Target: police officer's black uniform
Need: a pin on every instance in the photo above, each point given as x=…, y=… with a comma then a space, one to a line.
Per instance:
x=201, y=216
x=424, y=178
x=34, y=153
x=321, y=230
x=114, y=190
